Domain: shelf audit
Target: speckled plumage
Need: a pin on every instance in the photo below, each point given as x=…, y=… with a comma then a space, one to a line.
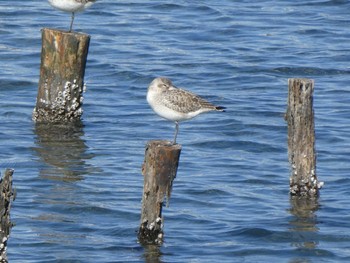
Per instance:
x=184, y=101
x=176, y=104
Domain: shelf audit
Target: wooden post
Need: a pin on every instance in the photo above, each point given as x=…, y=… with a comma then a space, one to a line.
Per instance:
x=159, y=170
x=301, y=138
x=61, y=84
x=7, y=193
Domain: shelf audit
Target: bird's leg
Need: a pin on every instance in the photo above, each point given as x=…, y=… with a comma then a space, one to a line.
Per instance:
x=71, y=23
x=176, y=131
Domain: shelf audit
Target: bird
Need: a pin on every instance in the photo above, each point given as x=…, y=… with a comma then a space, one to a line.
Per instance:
x=71, y=6
x=175, y=104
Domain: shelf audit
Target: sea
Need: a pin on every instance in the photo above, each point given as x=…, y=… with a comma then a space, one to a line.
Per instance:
x=79, y=186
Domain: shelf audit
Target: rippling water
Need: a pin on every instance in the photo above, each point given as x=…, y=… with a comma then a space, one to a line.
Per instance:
x=79, y=187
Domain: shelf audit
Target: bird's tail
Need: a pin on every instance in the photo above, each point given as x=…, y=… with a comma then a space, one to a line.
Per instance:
x=220, y=108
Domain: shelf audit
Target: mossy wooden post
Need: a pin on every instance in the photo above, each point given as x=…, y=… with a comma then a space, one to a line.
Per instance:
x=7, y=194
x=159, y=170
x=301, y=138
x=61, y=84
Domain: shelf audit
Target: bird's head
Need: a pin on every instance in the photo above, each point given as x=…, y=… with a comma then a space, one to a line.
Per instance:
x=160, y=84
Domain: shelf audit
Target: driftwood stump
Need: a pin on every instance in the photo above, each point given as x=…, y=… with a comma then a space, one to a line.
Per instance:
x=7, y=195
x=159, y=170
x=301, y=138
x=61, y=84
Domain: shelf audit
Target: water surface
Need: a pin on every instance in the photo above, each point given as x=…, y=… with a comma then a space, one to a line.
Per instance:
x=79, y=187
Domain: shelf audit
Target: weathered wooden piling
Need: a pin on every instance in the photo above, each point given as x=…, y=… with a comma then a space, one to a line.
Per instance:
x=301, y=138
x=61, y=84
x=7, y=195
x=159, y=170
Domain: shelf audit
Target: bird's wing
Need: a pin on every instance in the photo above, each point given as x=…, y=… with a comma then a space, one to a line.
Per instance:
x=185, y=101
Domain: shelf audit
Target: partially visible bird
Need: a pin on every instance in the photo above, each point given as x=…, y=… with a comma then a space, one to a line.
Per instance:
x=176, y=104
x=71, y=6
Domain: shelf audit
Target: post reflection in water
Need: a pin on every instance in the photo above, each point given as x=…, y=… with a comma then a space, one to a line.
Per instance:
x=303, y=225
x=58, y=197
x=62, y=150
x=152, y=253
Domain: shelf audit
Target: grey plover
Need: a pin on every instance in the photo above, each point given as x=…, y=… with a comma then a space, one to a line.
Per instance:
x=176, y=104
x=71, y=6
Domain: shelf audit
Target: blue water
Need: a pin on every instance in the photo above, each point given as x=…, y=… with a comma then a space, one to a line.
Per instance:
x=79, y=188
